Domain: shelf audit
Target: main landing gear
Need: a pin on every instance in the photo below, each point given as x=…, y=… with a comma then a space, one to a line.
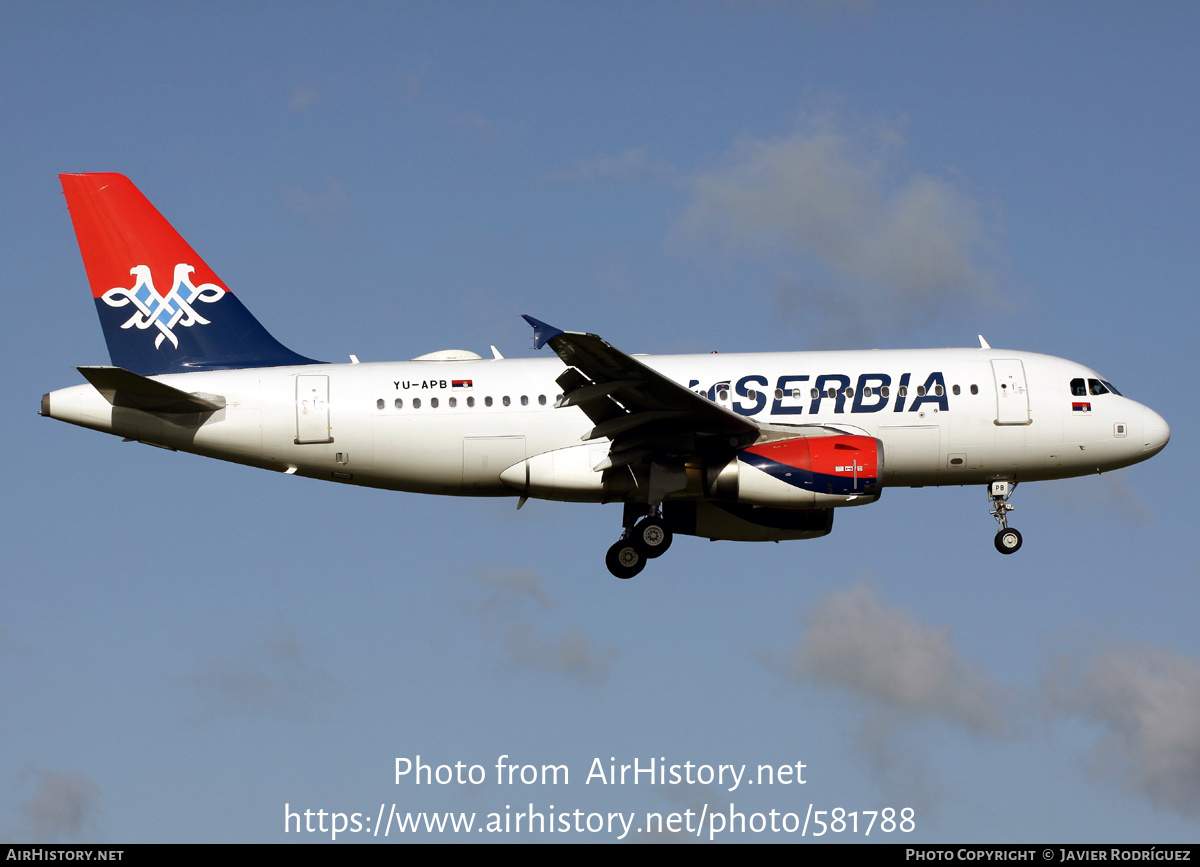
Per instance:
x=1008, y=540
x=646, y=536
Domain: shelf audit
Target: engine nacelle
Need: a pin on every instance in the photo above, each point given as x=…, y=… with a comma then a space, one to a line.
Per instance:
x=802, y=473
x=731, y=522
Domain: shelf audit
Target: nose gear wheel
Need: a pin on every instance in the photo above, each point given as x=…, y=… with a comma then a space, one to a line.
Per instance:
x=1008, y=540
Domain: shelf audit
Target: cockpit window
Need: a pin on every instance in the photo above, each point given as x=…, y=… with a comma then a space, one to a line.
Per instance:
x=1095, y=386
x=1110, y=387
x=1078, y=387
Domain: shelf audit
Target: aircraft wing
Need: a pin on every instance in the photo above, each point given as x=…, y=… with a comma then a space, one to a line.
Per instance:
x=646, y=415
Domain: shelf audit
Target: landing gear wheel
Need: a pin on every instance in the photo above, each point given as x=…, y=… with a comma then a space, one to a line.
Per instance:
x=625, y=559
x=653, y=536
x=1008, y=541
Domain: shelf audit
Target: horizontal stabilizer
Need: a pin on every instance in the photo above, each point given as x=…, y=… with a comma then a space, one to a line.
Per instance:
x=130, y=390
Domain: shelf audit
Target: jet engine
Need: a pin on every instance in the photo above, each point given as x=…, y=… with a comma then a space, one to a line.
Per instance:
x=801, y=473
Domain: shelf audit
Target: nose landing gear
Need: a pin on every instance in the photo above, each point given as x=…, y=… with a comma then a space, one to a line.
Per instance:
x=1008, y=540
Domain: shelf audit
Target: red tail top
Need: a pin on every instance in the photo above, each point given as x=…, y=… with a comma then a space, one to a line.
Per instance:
x=162, y=308
x=118, y=229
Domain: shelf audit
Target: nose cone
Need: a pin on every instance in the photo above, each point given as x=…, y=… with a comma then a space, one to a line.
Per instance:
x=1155, y=432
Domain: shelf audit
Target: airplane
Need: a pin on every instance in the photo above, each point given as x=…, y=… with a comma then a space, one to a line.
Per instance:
x=744, y=446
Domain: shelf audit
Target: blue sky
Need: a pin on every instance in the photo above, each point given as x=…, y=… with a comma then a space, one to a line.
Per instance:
x=187, y=646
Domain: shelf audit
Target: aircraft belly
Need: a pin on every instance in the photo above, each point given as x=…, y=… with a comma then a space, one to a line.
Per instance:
x=412, y=455
x=458, y=454
x=484, y=458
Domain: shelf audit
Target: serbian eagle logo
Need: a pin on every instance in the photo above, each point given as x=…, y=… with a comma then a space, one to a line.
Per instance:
x=164, y=312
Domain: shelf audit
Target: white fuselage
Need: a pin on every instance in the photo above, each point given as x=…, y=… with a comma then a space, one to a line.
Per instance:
x=452, y=427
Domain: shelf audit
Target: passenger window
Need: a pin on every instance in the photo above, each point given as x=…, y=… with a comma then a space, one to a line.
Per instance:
x=974, y=389
x=867, y=391
x=416, y=403
x=506, y=401
x=524, y=400
x=487, y=401
x=1078, y=389
x=795, y=394
x=453, y=401
x=903, y=391
x=885, y=391
x=849, y=392
x=956, y=390
x=779, y=394
x=379, y=403
x=815, y=394
x=938, y=390
x=399, y=403
x=541, y=400
x=920, y=391
x=832, y=392
x=470, y=401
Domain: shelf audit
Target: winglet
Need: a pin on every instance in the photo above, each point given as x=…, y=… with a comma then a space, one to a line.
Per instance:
x=543, y=333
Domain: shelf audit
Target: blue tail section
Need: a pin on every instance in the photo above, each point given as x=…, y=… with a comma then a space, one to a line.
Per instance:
x=163, y=310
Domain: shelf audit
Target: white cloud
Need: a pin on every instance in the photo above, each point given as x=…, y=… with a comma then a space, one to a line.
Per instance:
x=903, y=673
x=503, y=604
x=852, y=232
x=330, y=200
x=884, y=656
x=1148, y=700
x=62, y=807
x=302, y=98
x=273, y=674
x=409, y=85
x=632, y=163
x=1114, y=492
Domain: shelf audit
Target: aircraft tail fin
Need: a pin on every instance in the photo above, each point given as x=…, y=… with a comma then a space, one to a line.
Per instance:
x=163, y=310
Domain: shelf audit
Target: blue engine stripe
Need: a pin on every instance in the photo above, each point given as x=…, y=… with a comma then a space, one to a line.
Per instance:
x=821, y=483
